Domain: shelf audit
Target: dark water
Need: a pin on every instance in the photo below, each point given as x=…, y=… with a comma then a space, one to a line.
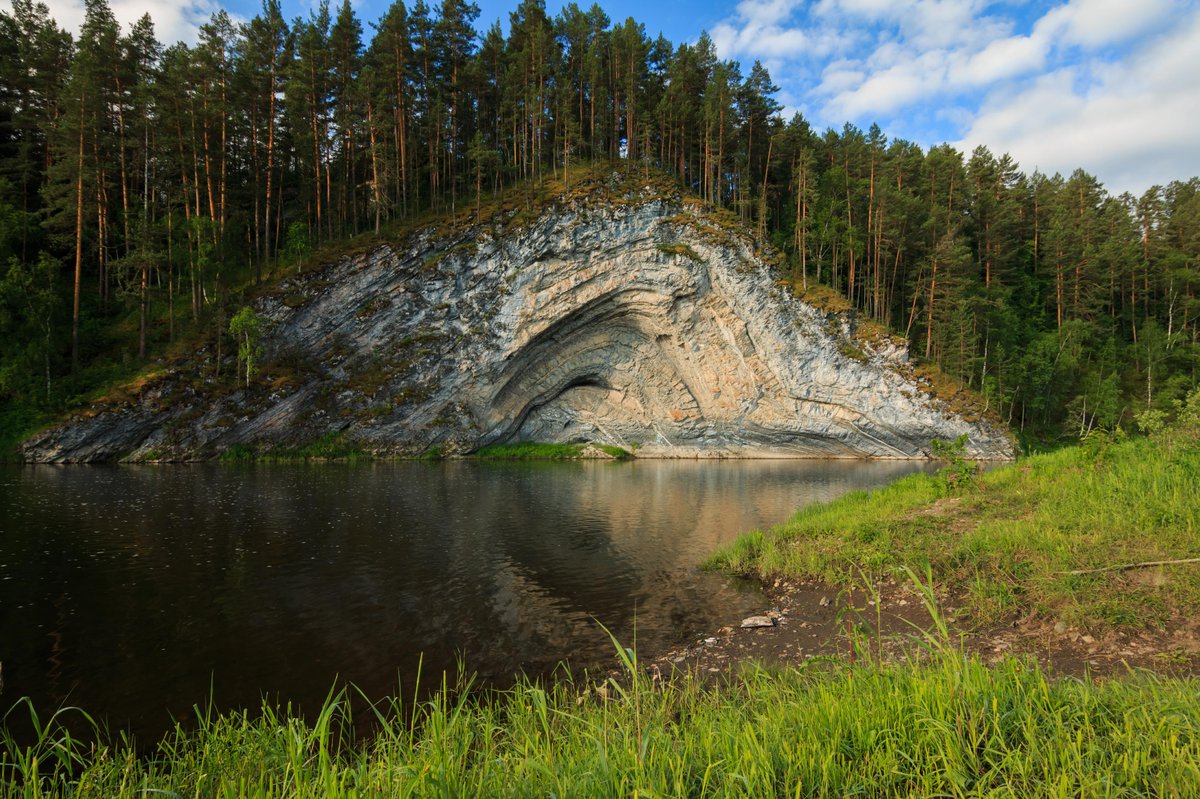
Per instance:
x=138, y=591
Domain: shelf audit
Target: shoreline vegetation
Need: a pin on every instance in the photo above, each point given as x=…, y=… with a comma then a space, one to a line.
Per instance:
x=1051, y=534
x=335, y=447
x=1055, y=534
x=935, y=724
x=534, y=451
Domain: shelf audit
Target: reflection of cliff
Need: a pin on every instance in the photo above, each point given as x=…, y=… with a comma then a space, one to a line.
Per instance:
x=146, y=584
x=673, y=514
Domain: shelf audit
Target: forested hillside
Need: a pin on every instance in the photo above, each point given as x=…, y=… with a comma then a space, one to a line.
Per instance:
x=143, y=186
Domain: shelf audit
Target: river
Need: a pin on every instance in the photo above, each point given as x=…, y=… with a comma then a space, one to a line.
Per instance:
x=136, y=592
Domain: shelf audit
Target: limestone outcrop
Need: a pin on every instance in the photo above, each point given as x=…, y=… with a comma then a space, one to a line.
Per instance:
x=634, y=318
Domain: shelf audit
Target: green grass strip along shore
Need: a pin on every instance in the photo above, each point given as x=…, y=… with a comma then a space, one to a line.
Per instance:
x=536, y=451
x=946, y=727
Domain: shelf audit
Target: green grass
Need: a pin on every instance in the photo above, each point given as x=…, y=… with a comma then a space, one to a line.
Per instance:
x=537, y=451
x=528, y=451
x=16, y=424
x=331, y=446
x=1007, y=539
x=946, y=726
x=618, y=453
x=677, y=248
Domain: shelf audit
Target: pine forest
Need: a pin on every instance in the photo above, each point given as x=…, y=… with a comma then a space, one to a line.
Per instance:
x=145, y=187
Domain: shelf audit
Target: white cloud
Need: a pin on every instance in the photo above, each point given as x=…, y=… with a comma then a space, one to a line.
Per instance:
x=1133, y=124
x=1005, y=58
x=867, y=10
x=173, y=22
x=839, y=77
x=886, y=53
x=883, y=92
x=766, y=42
x=777, y=42
x=948, y=23
x=1097, y=23
x=1108, y=85
x=724, y=37
x=922, y=23
x=762, y=31
x=761, y=13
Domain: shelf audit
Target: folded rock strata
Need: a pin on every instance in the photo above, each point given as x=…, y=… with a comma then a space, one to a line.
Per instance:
x=634, y=322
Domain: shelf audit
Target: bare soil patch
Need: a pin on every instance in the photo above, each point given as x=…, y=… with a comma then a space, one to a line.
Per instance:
x=815, y=620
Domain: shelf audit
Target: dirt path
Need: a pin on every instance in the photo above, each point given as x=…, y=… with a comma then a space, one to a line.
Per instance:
x=813, y=620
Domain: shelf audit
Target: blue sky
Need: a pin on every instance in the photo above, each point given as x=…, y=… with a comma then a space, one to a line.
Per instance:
x=1112, y=86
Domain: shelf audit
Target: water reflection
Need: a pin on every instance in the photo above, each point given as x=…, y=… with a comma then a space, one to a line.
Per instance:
x=131, y=591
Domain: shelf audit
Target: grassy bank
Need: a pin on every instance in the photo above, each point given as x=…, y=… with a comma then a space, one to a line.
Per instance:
x=1010, y=539
x=535, y=451
x=331, y=446
x=15, y=425
x=336, y=446
x=950, y=727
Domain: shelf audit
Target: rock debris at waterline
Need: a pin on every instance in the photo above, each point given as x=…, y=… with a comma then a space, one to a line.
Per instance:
x=628, y=323
x=756, y=622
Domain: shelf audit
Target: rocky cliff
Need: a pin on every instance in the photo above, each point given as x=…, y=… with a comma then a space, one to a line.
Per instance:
x=620, y=315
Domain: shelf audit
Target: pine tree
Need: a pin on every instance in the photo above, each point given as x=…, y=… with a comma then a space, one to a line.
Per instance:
x=390, y=56
x=308, y=95
x=454, y=39
x=345, y=48
x=266, y=52
x=35, y=64
x=81, y=152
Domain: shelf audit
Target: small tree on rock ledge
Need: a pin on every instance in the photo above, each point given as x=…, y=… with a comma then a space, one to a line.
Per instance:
x=247, y=328
x=296, y=244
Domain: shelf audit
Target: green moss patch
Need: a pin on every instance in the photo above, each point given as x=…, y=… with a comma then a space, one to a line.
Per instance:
x=537, y=451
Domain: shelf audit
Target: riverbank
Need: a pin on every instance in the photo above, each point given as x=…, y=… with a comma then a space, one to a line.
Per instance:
x=336, y=447
x=1044, y=550
x=1084, y=559
x=803, y=621
x=1101, y=536
x=937, y=724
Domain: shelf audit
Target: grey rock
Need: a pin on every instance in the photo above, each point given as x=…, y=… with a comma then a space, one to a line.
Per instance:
x=754, y=622
x=626, y=323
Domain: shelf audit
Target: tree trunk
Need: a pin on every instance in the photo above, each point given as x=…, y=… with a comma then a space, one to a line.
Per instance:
x=78, y=248
x=316, y=145
x=932, y=299
x=374, y=167
x=270, y=165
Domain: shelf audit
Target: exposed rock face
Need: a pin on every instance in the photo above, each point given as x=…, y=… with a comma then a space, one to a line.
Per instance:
x=632, y=322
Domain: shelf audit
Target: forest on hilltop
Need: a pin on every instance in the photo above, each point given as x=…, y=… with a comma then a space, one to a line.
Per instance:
x=142, y=187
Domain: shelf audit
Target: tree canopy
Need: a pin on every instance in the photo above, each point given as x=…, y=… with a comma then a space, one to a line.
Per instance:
x=143, y=180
